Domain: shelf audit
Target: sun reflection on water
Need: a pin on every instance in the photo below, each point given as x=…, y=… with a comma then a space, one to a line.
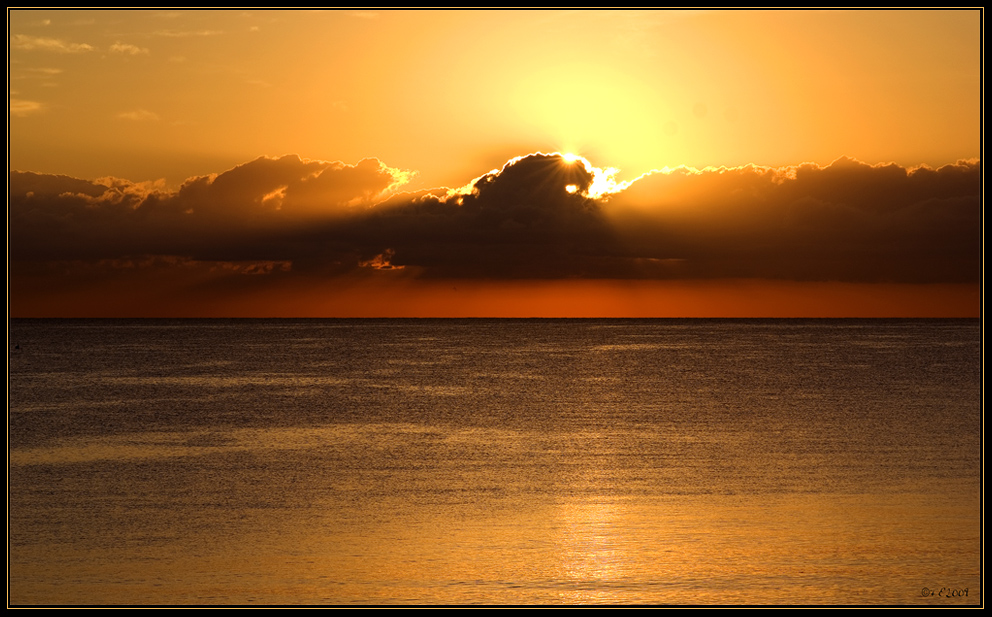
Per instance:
x=590, y=552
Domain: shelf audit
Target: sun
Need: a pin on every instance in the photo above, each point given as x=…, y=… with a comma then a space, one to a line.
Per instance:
x=570, y=158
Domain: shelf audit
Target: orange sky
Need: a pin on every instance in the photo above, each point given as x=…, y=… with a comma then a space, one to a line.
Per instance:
x=297, y=163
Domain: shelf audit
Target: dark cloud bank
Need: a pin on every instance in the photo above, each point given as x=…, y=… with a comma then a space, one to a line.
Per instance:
x=533, y=219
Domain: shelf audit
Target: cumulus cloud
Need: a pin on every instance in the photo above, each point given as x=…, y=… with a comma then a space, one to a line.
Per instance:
x=533, y=218
x=847, y=221
x=263, y=209
x=540, y=216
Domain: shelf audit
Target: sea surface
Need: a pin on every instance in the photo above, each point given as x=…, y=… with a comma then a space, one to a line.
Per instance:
x=691, y=462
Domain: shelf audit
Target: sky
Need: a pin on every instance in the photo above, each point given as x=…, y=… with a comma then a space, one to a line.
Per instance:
x=494, y=163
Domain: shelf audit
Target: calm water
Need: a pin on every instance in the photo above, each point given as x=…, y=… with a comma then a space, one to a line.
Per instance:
x=494, y=461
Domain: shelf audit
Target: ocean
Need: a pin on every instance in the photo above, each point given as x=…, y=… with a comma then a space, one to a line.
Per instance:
x=494, y=462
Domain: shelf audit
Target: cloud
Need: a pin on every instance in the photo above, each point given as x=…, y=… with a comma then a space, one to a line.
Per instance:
x=22, y=108
x=531, y=219
x=38, y=43
x=43, y=71
x=126, y=48
x=263, y=209
x=538, y=217
x=182, y=34
x=138, y=115
x=848, y=221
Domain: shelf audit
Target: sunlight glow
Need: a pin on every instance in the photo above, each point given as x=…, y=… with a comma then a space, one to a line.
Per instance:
x=603, y=180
